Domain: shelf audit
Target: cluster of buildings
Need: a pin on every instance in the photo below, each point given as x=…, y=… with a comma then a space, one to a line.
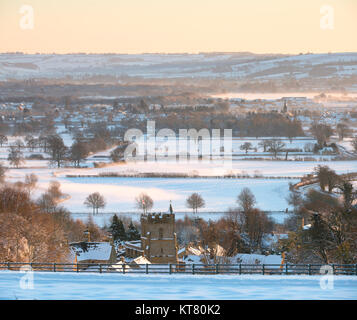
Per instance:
x=158, y=245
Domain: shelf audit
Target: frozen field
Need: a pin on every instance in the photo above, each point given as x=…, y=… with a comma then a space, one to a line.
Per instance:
x=266, y=168
x=151, y=287
x=219, y=194
x=214, y=168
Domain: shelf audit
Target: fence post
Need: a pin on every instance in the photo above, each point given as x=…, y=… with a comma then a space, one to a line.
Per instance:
x=170, y=268
x=147, y=269
x=286, y=268
x=217, y=266
x=240, y=268
x=123, y=268
x=77, y=268
x=356, y=269
x=100, y=268
x=309, y=269
x=193, y=268
x=263, y=269
x=54, y=267
x=333, y=269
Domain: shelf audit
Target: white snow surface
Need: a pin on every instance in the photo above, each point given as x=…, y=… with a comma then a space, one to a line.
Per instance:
x=73, y=286
x=219, y=194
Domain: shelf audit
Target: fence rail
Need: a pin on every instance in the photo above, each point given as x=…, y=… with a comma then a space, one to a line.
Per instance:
x=196, y=269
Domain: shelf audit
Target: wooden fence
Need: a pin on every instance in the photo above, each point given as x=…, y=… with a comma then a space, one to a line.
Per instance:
x=196, y=269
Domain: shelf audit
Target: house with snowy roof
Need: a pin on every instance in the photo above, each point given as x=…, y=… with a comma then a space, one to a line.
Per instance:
x=92, y=252
x=190, y=254
x=251, y=259
x=188, y=251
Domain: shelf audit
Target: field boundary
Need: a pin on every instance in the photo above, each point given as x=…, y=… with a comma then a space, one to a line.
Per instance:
x=182, y=268
x=178, y=175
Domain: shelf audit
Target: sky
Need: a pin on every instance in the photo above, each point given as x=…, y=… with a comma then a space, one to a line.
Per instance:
x=176, y=26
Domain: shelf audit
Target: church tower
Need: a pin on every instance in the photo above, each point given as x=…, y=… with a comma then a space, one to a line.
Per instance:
x=158, y=237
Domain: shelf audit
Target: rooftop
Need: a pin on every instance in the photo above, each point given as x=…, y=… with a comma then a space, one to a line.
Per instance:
x=91, y=250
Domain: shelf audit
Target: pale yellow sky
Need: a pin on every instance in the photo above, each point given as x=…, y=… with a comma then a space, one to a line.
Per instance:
x=136, y=26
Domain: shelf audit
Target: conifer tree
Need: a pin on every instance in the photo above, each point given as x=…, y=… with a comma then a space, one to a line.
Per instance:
x=133, y=233
x=117, y=229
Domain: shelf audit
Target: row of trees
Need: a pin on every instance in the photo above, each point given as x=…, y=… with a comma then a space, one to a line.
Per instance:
x=253, y=124
x=274, y=146
x=54, y=146
x=143, y=202
x=322, y=132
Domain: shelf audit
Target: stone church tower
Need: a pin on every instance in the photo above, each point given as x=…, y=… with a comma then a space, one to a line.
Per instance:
x=158, y=237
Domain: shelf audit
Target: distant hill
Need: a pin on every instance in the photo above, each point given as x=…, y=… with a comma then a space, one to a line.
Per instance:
x=240, y=66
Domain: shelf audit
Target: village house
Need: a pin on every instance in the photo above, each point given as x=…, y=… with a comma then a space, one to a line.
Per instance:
x=92, y=252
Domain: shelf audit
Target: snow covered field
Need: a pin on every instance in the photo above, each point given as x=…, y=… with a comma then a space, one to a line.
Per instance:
x=151, y=287
x=205, y=168
x=219, y=194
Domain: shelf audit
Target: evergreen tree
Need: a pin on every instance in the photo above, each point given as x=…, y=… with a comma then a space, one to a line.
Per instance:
x=319, y=239
x=133, y=233
x=117, y=229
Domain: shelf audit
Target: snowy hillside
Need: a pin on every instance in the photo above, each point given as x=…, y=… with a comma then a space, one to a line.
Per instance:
x=229, y=65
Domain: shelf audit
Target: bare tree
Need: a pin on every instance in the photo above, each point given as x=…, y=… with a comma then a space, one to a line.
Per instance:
x=54, y=190
x=48, y=200
x=275, y=146
x=349, y=195
x=144, y=202
x=15, y=156
x=95, y=201
x=57, y=149
x=195, y=201
x=47, y=203
x=19, y=144
x=342, y=130
x=27, y=234
x=246, y=146
x=3, y=140
x=2, y=173
x=246, y=200
x=327, y=177
x=30, y=182
x=79, y=151
x=294, y=199
x=264, y=144
x=257, y=224
x=31, y=142
x=322, y=132
x=354, y=143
